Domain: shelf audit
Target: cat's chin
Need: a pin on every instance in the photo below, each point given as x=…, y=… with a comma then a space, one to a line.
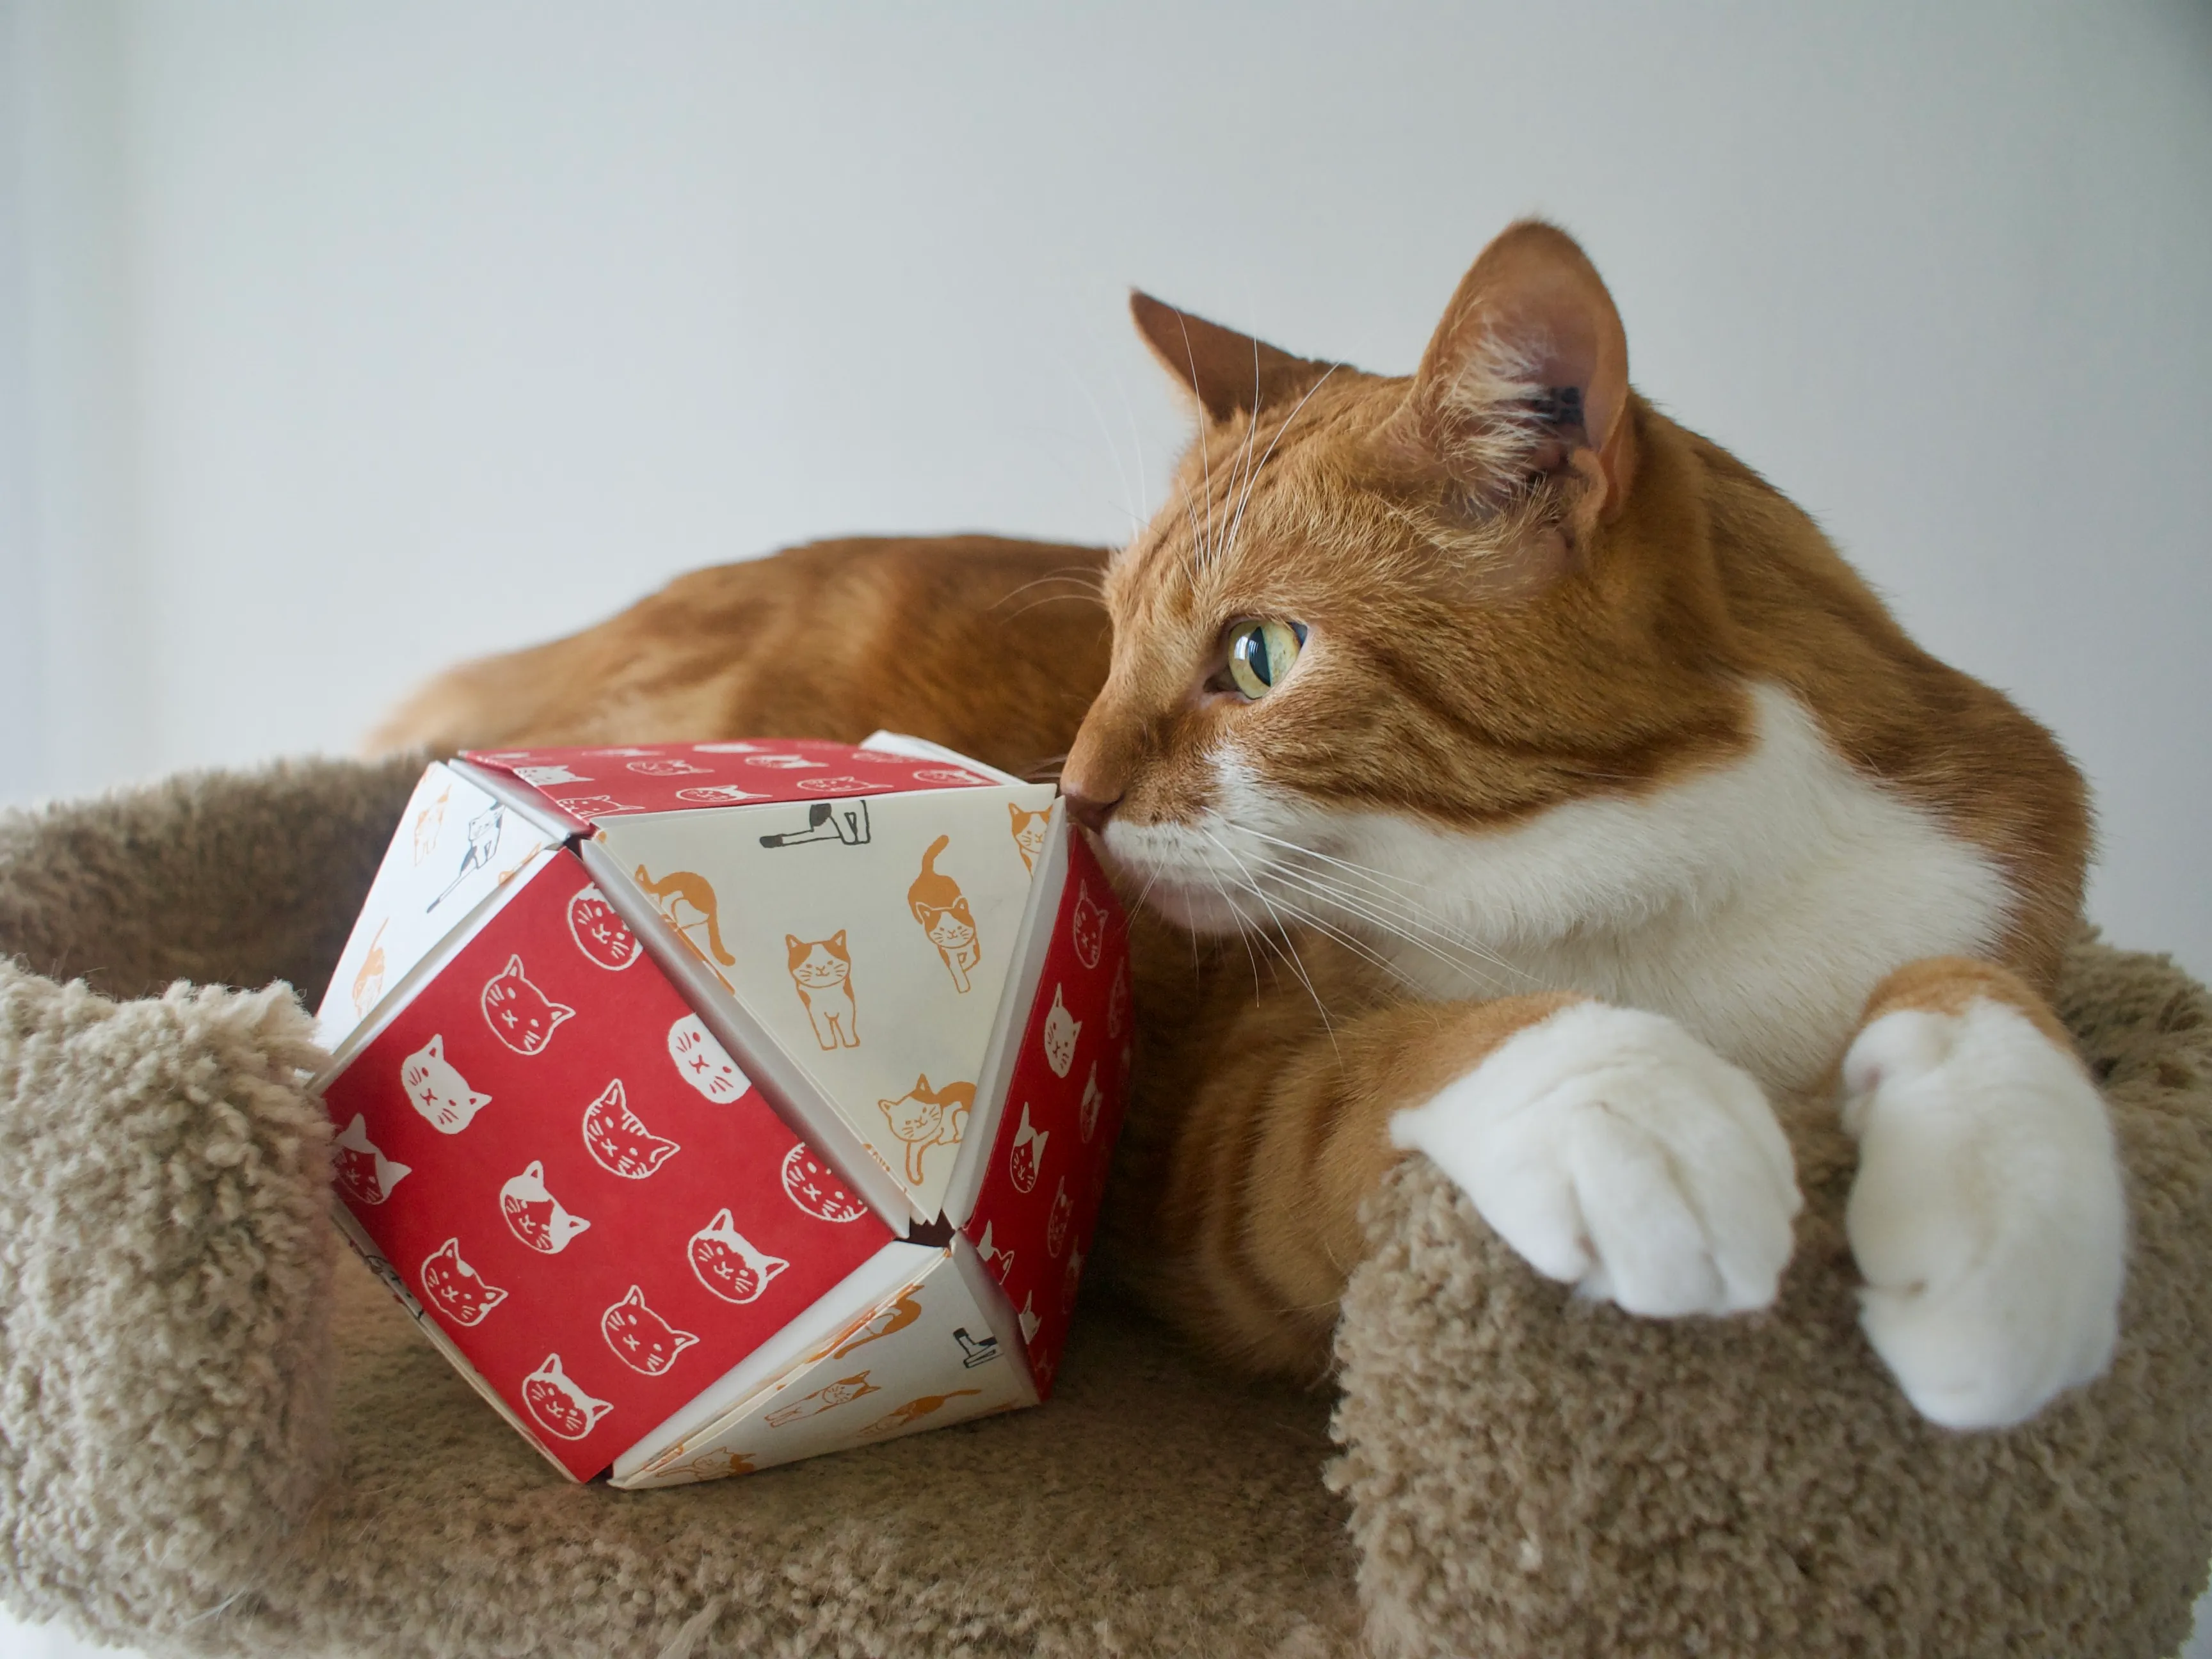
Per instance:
x=1199, y=908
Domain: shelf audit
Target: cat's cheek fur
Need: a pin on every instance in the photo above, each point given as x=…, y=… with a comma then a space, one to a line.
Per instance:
x=1988, y=1215
x=1614, y=1151
x=1182, y=870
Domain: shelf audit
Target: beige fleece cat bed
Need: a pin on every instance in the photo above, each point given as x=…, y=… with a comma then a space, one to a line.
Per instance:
x=220, y=1436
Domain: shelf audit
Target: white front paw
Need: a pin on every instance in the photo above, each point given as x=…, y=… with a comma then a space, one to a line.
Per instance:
x=1988, y=1215
x=1616, y=1152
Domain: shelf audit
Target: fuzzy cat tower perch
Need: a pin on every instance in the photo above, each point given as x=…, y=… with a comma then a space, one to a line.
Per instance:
x=222, y=1437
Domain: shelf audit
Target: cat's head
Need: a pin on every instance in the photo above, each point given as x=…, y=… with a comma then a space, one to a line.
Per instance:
x=819, y=965
x=1441, y=602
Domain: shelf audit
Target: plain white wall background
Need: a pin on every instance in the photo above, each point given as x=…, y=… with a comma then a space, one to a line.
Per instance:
x=339, y=340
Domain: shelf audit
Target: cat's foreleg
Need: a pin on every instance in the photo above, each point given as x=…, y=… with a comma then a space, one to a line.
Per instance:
x=1988, y=1215
x=1616, y=1152
x=825, y=1025
x=1606, y=1147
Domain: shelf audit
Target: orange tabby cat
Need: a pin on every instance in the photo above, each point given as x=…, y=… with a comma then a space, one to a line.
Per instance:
x=1565, y=764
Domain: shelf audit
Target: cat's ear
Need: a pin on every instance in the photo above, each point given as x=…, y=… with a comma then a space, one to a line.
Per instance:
x=1227, y=373
x=793, y=942
x=1526, y=376
x=921, y=1083
x=837, y=941
x=435, y=1048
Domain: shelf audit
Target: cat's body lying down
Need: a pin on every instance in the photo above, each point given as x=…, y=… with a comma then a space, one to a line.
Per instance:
x=1542, y=790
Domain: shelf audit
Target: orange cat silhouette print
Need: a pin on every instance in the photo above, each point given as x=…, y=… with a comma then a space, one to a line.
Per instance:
x=828, y=1397
x=1029, y=829
x=938, y=905
x=884, y=1321
x=924, y=1117
x=914, y=1411
x=686, y=901
x=369, y=983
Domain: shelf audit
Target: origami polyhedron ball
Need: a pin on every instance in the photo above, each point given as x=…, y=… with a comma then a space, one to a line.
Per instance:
x=711, y=1105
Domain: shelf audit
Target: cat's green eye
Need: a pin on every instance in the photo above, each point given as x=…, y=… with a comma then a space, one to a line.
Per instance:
x=1261, y=654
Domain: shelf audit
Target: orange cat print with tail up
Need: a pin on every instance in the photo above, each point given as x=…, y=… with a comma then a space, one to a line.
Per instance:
x=686, y=900
x=942, y=909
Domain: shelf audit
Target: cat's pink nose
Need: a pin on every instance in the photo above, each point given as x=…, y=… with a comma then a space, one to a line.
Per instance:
x=1089, y=811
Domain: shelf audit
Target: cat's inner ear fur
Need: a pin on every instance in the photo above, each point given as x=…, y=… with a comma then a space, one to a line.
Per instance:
x=1227, y=373
x=1525, y=379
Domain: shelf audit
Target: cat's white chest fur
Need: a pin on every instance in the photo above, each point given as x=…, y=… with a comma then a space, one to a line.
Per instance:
x=1758, y=904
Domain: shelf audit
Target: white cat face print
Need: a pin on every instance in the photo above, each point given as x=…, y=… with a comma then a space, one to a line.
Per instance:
x=1087, y=931
x=597, y=806
x=519, y=1014
x=537, y=777
x=559, y=1404
x=454, y=1288
x=362, y=1172
x=438, y=1090
x=997, y=1257
x=704, y=1063
x=534, y=1215
x=618, y=1141
x=1060, y=1031
x=729, y=1264
x=717, y=794
x=641, y=1338
x=602, y=936
x=1024, y=1157
x=814, y=1188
